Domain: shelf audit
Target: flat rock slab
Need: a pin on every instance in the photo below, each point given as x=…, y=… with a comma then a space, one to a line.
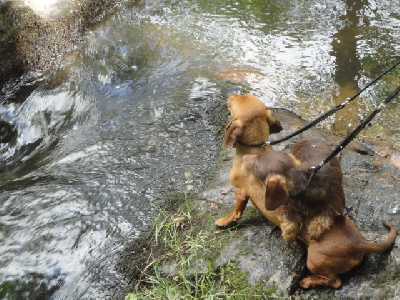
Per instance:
x=372, y=189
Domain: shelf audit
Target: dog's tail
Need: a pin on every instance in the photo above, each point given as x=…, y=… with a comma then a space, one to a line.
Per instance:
x=373, y=247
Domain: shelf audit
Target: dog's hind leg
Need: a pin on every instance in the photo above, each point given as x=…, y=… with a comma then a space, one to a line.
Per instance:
x=236, y=214
x=323, y=269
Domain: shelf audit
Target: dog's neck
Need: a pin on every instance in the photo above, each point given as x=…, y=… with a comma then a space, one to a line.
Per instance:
x=257, y=145
x=242, y=149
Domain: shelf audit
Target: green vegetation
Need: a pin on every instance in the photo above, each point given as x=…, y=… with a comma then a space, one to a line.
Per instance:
x=181, y=264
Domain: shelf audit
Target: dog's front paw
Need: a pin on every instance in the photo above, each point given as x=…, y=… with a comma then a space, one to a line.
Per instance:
x=226, y=222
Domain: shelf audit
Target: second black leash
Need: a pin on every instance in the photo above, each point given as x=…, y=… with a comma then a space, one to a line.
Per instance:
x=332, y=111
x=351, y=136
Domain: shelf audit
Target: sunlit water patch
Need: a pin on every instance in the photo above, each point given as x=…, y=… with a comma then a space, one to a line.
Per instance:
x=47, y=8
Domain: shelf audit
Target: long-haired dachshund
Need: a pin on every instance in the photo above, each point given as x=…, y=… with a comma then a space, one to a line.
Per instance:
x=251, y=124
x=340, y=246
x=285, y=176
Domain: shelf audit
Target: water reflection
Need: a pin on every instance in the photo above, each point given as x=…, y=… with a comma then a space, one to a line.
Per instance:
x=347, y=67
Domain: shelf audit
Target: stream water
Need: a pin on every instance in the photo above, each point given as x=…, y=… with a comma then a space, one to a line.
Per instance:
x=87, y=152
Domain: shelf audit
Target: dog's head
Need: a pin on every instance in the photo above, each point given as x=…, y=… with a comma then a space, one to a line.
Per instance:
x=252, y=122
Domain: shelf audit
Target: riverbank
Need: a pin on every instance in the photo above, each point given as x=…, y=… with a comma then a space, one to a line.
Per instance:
x=263, y=266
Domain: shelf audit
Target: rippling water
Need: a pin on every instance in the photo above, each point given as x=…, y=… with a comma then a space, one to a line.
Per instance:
x=91, y=149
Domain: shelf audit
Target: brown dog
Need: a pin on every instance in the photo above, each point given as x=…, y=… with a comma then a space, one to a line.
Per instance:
x=251, y=124
x=338, y=249
x=286, y=176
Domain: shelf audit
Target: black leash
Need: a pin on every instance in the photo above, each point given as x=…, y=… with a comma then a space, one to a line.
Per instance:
x=351, y=136
x=327, y=114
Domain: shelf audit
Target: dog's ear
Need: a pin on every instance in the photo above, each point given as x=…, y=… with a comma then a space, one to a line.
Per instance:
x=276, y=193
x=274, y=125
x=231, y=97
x=232, y=132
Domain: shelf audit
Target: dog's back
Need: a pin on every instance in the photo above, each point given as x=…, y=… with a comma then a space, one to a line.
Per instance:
x=327, y=181
x=295, y=167
x=311, y=151
x=270, y=162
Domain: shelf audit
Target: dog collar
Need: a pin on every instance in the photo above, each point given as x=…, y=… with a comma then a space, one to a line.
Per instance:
x=263, y=144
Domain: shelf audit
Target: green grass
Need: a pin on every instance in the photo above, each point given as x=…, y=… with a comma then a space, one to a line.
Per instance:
x=181, y=264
